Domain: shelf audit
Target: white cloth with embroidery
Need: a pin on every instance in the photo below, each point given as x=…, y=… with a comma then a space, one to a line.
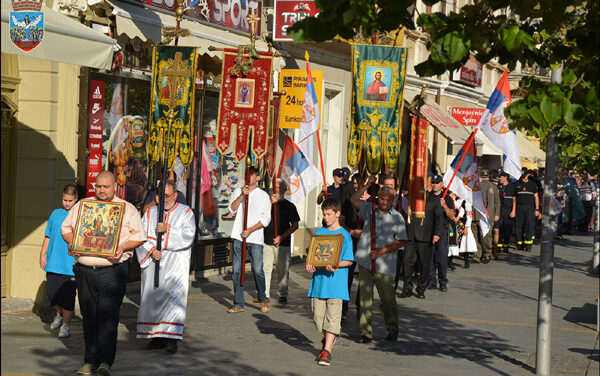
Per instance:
x=162, y=309
x=468, y=243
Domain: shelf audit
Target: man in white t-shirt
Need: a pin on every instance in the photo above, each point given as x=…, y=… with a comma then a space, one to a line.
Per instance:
x=259, y=216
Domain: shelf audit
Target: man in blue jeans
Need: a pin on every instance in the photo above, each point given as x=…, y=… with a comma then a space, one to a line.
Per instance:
x=259, y=216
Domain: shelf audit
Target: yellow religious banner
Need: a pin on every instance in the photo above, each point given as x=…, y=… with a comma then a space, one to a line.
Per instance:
x=293, y=82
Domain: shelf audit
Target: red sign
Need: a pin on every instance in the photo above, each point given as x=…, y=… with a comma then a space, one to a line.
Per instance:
x=418, y=168
x=467, y=116
x=94, y=165
x=227, y=13
x=471, y=72
x=287, y=13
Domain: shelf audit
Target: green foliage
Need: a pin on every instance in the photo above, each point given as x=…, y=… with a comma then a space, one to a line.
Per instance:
x=548, y=34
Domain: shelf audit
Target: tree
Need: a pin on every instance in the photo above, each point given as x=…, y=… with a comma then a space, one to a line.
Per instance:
x=547, y=34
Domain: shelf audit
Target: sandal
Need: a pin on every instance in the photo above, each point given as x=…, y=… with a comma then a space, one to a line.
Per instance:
x=264, y=307
x=235, y=309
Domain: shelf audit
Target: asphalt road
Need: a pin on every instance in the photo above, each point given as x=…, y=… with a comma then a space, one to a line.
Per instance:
x=484, y=325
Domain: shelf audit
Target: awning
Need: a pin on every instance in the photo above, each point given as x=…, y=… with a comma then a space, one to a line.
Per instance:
x=529, y=150
x=441, y=120
x=146, y=24
x=65, y=40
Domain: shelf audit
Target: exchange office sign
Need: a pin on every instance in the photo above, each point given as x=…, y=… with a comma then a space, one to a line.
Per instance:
x=293, y=82
x=287, y=13
x=230, y=14
x=467, y=116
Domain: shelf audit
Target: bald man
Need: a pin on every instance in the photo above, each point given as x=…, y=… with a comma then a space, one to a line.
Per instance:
x=101, y=281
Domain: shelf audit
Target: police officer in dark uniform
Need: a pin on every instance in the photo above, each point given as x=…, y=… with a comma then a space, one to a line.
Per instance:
x=528, y=206
x=508, y=202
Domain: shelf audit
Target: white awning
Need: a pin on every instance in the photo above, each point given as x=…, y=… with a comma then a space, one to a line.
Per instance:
x=529, y=150
x=65, y=40
x=146, y=24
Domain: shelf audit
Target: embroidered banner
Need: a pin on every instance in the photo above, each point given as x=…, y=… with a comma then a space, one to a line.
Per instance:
x=418, y=168
x=173, y=74
x=244, y=104
x=377, y=101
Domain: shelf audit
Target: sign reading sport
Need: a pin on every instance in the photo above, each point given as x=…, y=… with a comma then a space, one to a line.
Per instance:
x=293, y=82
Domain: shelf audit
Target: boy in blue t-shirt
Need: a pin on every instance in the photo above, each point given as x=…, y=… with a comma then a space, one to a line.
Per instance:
x=329, y=286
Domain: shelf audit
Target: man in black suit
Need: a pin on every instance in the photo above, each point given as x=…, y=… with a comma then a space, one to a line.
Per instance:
x=423, y=233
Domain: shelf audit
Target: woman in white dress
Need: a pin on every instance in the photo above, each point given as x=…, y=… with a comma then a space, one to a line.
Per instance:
x=466, y=240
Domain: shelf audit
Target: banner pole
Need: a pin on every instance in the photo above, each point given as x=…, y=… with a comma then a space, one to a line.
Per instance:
x=321, y=159
x=471, y=138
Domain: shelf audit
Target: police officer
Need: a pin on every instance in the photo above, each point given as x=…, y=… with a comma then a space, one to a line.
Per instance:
x=528, y=208
x=508, y=203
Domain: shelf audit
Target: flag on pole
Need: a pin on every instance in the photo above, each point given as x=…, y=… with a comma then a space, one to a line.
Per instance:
x=310, y=114
x=300, y=175
x=493, y=124
x=462, y=178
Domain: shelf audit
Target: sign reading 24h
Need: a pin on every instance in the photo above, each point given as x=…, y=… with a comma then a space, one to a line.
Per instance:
x=26, y=24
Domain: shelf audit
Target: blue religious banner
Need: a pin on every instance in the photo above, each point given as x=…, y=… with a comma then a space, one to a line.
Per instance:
x=377, y=102
x=26, y=24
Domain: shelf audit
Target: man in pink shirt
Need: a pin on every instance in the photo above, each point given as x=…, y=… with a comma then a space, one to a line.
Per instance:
x=101, y=281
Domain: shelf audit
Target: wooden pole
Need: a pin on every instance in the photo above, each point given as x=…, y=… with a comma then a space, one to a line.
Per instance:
x=373, y=235
x=245, y=223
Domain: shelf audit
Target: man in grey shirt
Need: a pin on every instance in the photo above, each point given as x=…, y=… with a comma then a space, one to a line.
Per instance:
x=390, y=231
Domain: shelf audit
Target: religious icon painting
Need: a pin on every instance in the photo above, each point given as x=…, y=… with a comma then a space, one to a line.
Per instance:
x=325, y=250
x=244, y=92
x=379, y=81
x=98, y=227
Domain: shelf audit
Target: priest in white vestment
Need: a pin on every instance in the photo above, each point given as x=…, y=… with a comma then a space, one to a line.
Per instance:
x=162, y=309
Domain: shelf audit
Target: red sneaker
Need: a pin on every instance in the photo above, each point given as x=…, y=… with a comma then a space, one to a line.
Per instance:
x=324, y=358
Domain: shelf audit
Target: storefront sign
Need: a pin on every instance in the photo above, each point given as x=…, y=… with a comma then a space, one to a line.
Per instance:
x=470, y=73
x=467, y=116
x=287, y=13
x=293, y=82
x=227, y=13
x=96, y=119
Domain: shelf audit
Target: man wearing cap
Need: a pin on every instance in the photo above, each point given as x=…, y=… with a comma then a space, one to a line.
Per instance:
x=527, y=209
x=508, y=209
x=335, y=189
x=491, y=199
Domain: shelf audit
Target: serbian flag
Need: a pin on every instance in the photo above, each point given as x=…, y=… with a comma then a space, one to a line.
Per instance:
x=462, y=178
x=310, y=114
x=493, y=124
x=300, y=175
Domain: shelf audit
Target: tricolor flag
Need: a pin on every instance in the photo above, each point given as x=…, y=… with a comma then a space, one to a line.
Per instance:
x=300, y=175
x=462, y=178
x=493, y=124
x=310, y=114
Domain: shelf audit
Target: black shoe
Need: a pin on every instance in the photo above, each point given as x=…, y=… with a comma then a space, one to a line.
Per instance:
x=432, y=287
x=451, y=267
x=406, y=294
x=157, y=343
x=363, y=339
x=485, y=260
x=528, y=248
x=172, y=346
x=392, y=336
x=420, y=295
x=443, y=288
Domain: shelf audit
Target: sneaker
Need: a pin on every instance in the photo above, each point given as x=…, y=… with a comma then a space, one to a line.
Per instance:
x=65, y=331
x=104, y=370
x=324, y=358
x=57, y=322
x=86, y=369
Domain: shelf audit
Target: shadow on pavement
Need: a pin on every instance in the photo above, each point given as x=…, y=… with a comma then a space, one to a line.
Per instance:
x=283, y=332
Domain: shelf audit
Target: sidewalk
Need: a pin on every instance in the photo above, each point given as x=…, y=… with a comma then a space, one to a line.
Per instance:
x=484, y=325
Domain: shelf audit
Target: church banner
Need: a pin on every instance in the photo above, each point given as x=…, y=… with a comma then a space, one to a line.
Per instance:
x=244, y=105
x=173, y=74
x=418, y=168
x=377, y=102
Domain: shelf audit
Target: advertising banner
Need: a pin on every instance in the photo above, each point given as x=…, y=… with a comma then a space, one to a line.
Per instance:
x=230, y=14
x=293, y=82
x=96, y=119
x=287, y=13
x=470, y=73
x=467, y=116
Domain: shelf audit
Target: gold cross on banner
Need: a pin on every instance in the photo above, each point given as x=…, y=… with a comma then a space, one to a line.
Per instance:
x=253, y=20
x=176, y=74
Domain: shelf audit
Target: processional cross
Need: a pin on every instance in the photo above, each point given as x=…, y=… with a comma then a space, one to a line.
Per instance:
x=252, y=20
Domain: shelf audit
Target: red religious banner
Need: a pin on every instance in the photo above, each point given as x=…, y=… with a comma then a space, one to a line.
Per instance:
x=244, y=104
x=418, y=168
x=467, y=116
x=287, y=13
x=230, y=14
x=94, y=162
